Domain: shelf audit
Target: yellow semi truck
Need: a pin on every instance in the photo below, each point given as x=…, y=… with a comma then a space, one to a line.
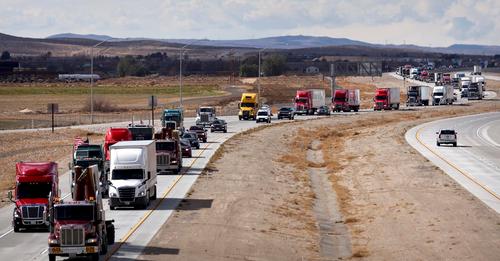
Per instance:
x=248, y=106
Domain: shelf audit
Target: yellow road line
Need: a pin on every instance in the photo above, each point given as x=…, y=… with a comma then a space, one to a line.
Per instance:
x=146, y=216
x=417, y=136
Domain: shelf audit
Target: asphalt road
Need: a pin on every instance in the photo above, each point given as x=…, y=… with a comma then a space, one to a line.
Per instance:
x=134, y=228
x=474, y=163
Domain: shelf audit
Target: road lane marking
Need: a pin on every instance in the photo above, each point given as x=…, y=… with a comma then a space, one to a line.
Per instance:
x=417, y=136
x=146, y=216
x=6, y=233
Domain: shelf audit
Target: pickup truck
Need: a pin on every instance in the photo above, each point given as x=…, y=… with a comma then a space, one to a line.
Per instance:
x=200, y=132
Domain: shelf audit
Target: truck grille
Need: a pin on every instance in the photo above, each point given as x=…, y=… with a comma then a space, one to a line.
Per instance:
x=72, y=236
x=32, y=212
x=204, y=117
x=127, y=194
x=163, y=159
x=246, y=113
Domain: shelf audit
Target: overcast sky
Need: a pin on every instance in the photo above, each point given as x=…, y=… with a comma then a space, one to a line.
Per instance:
x=422, y=22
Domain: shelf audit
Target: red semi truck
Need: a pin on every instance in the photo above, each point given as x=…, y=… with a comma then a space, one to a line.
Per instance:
x=35, y=181
x=79, y=227
x=114, y=135
x=308, y=101
x=345, y=100
x=386, y=99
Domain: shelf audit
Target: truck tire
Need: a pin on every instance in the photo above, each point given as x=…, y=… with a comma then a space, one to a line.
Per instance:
x=239, y=117
x=94, y=257
x=205, y=140
x=52, y=257
x=438, y=144
x=110, y=234
x=16, y=228
x=225, y=130
x=104, y=246
x=454, y=144
x=153, y=197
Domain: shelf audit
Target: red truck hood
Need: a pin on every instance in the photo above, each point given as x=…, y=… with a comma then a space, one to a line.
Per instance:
x=31, y=201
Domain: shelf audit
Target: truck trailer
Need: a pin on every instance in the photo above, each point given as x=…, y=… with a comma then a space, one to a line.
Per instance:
x=418, y=96
x=386, y=99
x=442, y=95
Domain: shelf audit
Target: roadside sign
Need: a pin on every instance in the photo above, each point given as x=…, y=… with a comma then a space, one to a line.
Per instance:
x=53, y=108
x=152, y=101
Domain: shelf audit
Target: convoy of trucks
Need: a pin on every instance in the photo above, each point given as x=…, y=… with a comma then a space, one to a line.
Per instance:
x=386, y=99
x=132, y=180
x=79, y=227
x=308, y=101
x=36, y=184
x=346, y=100
x=248, y=106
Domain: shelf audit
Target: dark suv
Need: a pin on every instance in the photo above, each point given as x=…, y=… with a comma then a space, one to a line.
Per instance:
x=286, y=112
x=219, y=125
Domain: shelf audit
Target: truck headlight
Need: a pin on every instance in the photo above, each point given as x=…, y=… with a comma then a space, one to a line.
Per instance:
x=142, y=193
x=17, y=213
x=112, y=192
x=174, y=161
x=91, y=241
x=53, y=241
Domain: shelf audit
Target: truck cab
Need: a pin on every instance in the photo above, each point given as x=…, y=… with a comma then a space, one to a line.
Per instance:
x=205, y=116
x=87, y=155
x=303, y=102
x=175, y=115
x=248, y=106
x=36, y=183
x=133, y=174
x=114, y=135
x=168, y=151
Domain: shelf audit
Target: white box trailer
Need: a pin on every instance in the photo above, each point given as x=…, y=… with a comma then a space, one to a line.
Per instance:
x=132, y=174
x=425, y=95
x=318, y=98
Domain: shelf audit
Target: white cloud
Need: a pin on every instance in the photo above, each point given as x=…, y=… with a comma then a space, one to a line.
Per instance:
x=423, y=22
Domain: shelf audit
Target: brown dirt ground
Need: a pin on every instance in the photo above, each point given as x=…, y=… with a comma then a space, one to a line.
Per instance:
x=261, y=200
x=36, y=146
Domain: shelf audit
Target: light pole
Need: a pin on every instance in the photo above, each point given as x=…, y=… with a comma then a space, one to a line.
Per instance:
x=258, y=79
x=92, y=80
x=181, y=53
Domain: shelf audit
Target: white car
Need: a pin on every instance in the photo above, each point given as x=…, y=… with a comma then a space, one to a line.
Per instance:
x=446, y=137
x=263, y=115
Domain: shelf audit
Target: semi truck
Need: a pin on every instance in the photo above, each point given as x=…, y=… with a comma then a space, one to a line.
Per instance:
x=141, y=131
x=476, y=70
x=476, y=87
x=308, y=101
x=205, y=116
x=36, y=183
x=133, y=174
x=168, y=151
x=87, y=155
x=418, y=95
x=442, y=95
x=79, y=227
x=175, y=115
x=248, y=106
x=346, y=100
x=112, y=136
x=386, y=99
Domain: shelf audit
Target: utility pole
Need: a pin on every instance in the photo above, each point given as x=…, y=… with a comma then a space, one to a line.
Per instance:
x=181, y=53
x=92, y=80
x=258, y=78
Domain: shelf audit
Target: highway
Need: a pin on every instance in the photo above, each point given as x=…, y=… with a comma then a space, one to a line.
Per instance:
x=134, y=228
x=474, y=163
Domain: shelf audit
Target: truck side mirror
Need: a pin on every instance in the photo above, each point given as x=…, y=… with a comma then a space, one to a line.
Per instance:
x=9, y=195
x=239, y=105
x=70, y=165
x=437, y=132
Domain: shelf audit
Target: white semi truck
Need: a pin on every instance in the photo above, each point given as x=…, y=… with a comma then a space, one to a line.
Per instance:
x=133, y=175
x=442, y=95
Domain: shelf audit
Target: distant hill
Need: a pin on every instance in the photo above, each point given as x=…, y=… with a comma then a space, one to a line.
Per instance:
x=298, y=42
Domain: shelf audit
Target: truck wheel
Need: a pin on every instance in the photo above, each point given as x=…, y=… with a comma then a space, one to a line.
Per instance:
x=205, y=140
x=438, y=144
x=52, y=257
x=104, y=246
x=225, y=131
x=153, y=197
x=94, y=257
x=110, y=234
x=356, y=109
x=16, y=228
x=454, y=144
x=239, y=118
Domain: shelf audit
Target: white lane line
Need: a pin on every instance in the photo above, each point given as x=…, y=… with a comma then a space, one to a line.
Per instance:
x=482, y=133
x=6, y=233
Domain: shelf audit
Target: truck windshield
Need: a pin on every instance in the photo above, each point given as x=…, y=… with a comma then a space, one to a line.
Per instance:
x=165, y=146
x=412, y=93
x=88, y=154
x=378, y=97
x=247, y=104
x=205, y=110
x=339, y=99
x=438, y=94
x=127, y=174
x=301, y=100
x=33, y=190
x=262, y=113
x=74, y=212
x=175, y=118
x=141, y=133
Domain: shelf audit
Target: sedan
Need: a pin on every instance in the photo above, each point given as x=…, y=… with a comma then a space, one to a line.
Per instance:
x=219, y=125
x=192, y=138
x=186, y=149
x=324, y=110
x=286, y=112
